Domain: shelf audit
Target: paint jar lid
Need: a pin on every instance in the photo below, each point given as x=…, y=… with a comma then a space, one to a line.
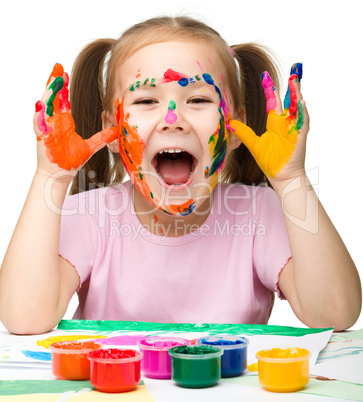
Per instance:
x=115, y=355
x=225, y=342
x=195, y=352
x=283, y=355
x=74, y=347
x=161, y=343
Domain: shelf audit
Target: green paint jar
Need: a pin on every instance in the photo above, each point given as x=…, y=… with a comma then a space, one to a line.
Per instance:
x=195, y=366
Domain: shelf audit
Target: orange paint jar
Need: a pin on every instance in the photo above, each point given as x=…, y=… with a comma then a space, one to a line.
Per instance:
x=283, y=370
x=69, y=359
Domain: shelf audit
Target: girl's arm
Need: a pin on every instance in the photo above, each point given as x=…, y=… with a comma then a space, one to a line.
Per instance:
x=321, y=281
x=36, y=284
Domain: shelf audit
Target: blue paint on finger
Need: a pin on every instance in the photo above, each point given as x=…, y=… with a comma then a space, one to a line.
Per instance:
x=297, y=69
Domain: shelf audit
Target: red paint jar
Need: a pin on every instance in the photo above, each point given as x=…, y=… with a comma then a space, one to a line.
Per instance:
x=69, y=359
x=115, y=370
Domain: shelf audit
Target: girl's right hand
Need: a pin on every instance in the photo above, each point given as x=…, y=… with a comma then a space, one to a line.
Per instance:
x=59, y=146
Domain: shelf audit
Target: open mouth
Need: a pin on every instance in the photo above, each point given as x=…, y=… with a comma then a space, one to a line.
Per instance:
x=175, y=167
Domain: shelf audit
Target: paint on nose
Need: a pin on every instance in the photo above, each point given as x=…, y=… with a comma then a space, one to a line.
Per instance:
x=171, y=117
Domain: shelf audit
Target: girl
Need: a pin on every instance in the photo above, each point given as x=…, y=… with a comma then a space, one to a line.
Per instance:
x=176, y=243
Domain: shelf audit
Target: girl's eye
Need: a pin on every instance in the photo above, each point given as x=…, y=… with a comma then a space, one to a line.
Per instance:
x=145, y=102
x=199, y=100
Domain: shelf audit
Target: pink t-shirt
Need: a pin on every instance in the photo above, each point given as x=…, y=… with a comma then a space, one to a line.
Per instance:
x=224, y=272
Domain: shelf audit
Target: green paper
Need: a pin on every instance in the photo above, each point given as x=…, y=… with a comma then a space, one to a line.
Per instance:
x=212, y=329
x=24, y=387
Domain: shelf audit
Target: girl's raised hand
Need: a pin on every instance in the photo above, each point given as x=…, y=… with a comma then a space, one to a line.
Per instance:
x=280, y=151
x=59, y=146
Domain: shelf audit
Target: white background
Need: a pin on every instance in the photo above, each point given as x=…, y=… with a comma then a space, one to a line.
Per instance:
x=326, y=36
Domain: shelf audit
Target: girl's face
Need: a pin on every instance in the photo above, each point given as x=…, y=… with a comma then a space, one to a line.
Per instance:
x=172, y=109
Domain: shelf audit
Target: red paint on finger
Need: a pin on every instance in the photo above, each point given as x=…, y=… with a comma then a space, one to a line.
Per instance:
x=42, y=125
x=293, y=96
x=64, y=104
x=38, y=106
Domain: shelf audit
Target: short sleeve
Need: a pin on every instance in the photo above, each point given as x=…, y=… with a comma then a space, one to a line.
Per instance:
x=78, y=235
x=271, y=250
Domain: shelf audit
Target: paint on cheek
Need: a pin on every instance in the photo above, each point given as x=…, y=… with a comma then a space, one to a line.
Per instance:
x=132, y=147
x=218, y=141
x=171, y=117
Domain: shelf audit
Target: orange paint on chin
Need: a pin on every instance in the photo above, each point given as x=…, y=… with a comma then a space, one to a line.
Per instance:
x=180, y=209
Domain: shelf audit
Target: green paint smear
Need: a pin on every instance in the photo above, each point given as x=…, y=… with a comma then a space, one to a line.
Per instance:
x=55, y=86
x=23, y=387
x=152, y=83
x=212, y=329
x=140, y=174
x=300, y=121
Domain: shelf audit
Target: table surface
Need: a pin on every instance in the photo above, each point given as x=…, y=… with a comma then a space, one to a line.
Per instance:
x=24, y=383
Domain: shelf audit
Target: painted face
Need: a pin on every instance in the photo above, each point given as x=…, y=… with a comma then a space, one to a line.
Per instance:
x=172, y=109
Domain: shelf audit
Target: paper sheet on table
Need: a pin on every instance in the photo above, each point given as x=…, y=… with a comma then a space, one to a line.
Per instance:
x=28, y=354
x=342, y=358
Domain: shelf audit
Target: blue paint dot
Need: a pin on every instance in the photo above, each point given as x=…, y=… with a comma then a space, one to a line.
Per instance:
x=208, y=79
x=183, y=82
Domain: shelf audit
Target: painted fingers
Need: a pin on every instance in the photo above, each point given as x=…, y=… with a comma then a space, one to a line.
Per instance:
x=54, y=100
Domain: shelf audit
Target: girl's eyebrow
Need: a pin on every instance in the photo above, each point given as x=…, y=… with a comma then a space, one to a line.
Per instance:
x=147, y=84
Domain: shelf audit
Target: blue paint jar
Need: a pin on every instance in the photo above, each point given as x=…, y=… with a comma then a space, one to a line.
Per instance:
x=234, y=358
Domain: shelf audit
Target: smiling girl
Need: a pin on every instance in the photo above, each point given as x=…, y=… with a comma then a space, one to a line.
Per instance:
x=218, y=214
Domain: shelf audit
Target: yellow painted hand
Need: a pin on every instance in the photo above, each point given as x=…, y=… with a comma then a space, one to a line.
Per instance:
x=280, y=151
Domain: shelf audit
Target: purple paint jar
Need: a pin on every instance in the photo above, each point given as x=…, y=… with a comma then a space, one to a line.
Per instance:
x=234, y=358
x=156, y=361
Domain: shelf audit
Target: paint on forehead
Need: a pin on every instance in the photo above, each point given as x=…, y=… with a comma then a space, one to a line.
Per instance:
x=171, y=117
x=171, y=75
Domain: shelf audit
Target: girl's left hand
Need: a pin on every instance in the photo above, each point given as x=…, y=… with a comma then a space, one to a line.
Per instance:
x=280, y=151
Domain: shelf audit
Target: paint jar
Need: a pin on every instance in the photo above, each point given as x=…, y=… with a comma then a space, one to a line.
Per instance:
x=156, y=361
x=69, y=359
x=195, y=366
x=234, y=358
x=283, y=370
x=115, y=370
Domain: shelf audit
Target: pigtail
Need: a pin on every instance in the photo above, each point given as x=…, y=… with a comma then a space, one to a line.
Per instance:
x=87, y=103
x=253, y=60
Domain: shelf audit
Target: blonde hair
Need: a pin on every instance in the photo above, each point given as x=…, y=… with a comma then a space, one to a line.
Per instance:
x=91, y=93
